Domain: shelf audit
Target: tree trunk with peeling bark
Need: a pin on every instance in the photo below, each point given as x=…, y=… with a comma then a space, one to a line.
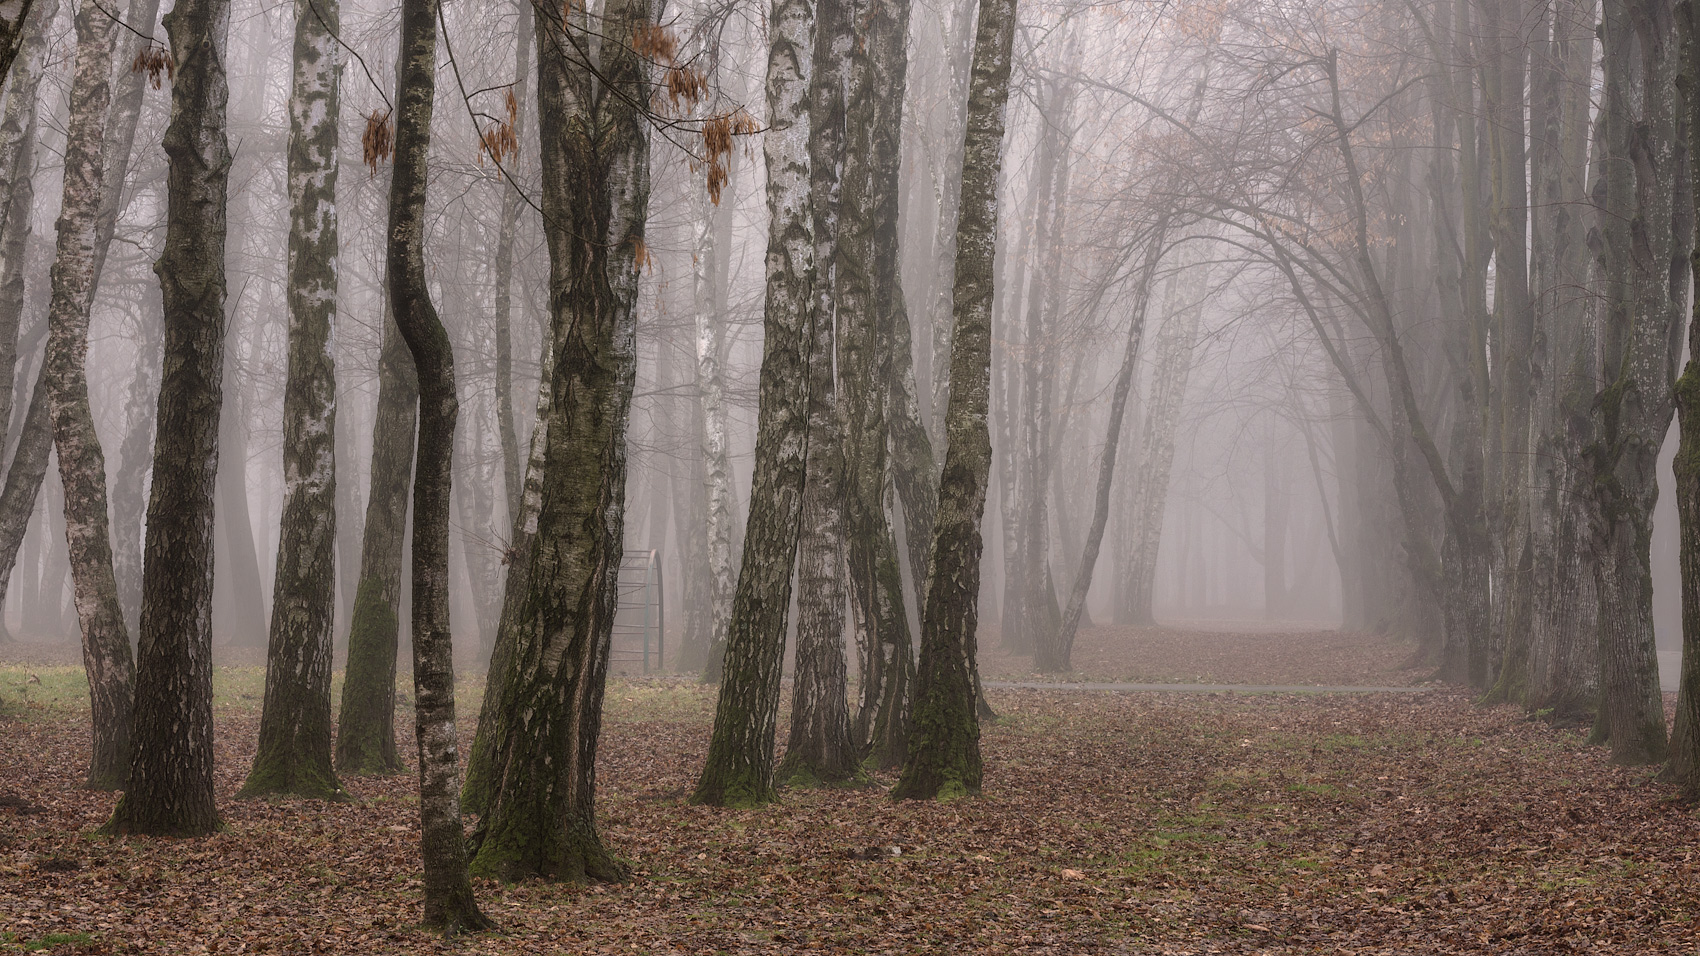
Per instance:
x=820, y=749
x=539, y=798
x=82, y=466
x=944, y=746
x=739, y=767
x=449, y=903
x=170, y=788
x=294, y=751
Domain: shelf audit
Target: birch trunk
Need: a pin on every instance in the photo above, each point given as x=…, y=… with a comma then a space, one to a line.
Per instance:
x=716, y=456
x=541, y=812
x=14, y=18
x=294, y=751
x=82, y=466
x=170, y=788
x=449, y=903
x=739, y=767
x=944, y=753
x=820, y=748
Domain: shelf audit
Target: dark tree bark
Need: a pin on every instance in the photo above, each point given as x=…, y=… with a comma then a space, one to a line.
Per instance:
x=449, y=903
x=294, y=751
x=13, y=19
x=739, y=768
x=365, y=739
x=170, y=789
x=944, y=746
x=869, y=295
x=540, y=786
x=820, y=749
x=1645, y=238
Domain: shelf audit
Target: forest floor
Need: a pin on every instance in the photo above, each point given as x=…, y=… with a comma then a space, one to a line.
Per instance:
x=1111, y=823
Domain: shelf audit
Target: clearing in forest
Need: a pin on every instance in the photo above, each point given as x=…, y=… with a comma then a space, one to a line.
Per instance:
x=1111, y=823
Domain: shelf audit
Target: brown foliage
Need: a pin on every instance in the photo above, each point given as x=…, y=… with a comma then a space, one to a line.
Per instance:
x=377, y=144
x=155, y=60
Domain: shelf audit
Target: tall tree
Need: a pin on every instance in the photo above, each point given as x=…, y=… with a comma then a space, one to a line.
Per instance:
x=14, y=18
x=1645, y=237
x=819, y=747
x=539, y=810
x=449, y=903
x=739, y=768
x=365, y=735
x=294, y=751
x=82, y=466
x=170, y=787
x=944, y=746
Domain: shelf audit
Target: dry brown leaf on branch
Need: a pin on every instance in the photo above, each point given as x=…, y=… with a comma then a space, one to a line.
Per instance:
x=378, y=142
x=154, y=60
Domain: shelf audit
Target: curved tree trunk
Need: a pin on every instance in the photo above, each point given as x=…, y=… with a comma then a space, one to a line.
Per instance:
x=739, y=768
x=540, y=796
x=294, y=751
x=170, y=788
x=944, y=747
x=449, y=903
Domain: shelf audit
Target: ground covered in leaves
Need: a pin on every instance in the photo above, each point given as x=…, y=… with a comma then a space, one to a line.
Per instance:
x=1139, y=823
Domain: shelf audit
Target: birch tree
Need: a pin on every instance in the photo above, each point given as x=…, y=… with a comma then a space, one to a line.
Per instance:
x=294, y=750
x=449, y=903
x=170, y=786
x=538, y=795
x=944, y=747
x=739, y=767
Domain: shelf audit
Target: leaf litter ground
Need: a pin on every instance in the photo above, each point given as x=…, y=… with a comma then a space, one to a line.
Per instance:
x=1111, y=823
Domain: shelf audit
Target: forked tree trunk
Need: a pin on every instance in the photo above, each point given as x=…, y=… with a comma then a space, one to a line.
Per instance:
x=739, y=768
x=539, y=800
x=820, y=749
x=170, y=789
x=365, y=739
x=82, y=466
x=449, y=903
x=944, y=745
x=294, y=751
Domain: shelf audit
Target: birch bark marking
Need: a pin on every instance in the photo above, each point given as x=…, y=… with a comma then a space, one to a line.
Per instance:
x=82, y=466
x=170, y=790
x=294, y=752
x=449, y=903
x=944, y=746
x=739, y=768
x=717, y=466
x=820, y=749
x=539, y=791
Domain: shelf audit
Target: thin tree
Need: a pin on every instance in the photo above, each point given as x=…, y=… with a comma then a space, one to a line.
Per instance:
x=739, y=768
x=944, y=743
x=170, y=787
x=449, y=903
x=294, y=751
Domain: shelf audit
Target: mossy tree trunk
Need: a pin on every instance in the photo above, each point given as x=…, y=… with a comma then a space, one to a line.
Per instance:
x=170, y=788
x=944, y=745
x=449, y=903
x=13, y=19
x=365, y=740
x=820, y=749
x=294, y=751
x=538, y=793
x=739, y=768
x=1646, y=237
x=82, y=465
